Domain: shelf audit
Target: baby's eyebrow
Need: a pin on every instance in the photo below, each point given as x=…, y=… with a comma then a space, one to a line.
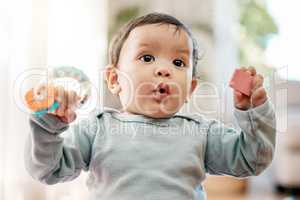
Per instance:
x=183, y=51
x=146, y=45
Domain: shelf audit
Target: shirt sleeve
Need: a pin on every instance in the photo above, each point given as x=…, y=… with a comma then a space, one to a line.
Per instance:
x=243, y=152
x=51, y=158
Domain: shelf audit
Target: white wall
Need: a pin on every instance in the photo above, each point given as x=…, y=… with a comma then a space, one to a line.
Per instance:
x=226, y=31
x=36, y=34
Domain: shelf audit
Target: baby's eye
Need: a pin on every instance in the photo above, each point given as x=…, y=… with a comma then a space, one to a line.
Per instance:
x=147, y=58
x=178, y=63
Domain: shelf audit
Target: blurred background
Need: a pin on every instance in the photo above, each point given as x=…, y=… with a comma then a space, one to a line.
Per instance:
x=36, y=34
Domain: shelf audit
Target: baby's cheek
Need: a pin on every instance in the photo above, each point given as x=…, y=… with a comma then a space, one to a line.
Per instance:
x=181, y=90
x=179, y=97
x=144, y=87
x=126, y=92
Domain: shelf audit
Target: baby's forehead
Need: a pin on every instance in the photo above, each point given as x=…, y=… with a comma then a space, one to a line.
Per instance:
x=163, y=35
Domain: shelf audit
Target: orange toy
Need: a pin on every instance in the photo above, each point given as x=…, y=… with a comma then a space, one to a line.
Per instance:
x=43, y=100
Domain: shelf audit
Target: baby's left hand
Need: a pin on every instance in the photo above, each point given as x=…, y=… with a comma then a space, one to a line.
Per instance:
x=258, y=93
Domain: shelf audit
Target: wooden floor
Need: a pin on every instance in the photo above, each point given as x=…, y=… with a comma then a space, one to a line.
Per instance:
x=226, y=188
x=252, y=197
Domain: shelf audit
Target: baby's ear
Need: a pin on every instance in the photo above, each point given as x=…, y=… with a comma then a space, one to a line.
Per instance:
x=111, y=76
x=194, y=84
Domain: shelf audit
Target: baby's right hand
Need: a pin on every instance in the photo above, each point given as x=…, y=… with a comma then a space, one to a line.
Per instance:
x=67, y=101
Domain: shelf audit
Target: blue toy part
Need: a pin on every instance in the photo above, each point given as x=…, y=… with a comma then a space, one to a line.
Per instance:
x=41, y=113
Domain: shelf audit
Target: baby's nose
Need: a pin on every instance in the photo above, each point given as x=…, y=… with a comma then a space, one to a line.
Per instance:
x=164, y=72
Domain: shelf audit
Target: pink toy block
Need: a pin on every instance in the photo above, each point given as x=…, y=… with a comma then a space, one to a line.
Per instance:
x=242, y=82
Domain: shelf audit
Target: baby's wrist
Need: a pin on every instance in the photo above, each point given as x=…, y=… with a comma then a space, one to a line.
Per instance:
x=51, y=123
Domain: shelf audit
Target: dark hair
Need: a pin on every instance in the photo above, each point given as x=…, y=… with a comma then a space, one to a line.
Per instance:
x=152, y=18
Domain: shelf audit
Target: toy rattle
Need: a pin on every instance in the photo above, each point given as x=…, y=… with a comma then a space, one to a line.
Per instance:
x=42, y=100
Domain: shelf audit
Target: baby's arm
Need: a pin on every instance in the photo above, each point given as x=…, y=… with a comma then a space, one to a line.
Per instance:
x=246, y=152
x=51, y=158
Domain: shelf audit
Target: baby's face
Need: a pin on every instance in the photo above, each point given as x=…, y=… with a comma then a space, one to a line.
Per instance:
x=155, y=70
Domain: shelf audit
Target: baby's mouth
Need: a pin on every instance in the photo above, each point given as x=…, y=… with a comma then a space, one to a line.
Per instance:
x=161, y=91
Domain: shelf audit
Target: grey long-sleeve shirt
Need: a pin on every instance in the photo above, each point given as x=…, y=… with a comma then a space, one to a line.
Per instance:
x=137, y=157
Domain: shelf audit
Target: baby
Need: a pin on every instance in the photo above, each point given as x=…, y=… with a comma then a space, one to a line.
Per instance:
x=147, y=150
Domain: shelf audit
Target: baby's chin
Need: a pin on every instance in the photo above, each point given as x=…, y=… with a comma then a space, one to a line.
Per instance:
x=154, y=109
x=153, y=112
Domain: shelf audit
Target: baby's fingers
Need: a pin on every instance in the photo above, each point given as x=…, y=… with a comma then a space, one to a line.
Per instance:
x=61, y=97
x=72, y=99
x=69, y=116
x=241, y=101
x=251, y=70
x=259, y=97
x=258, y=82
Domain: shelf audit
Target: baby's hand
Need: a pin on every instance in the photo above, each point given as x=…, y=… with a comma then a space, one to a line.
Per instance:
x=67, y=101
x=67, y=104
x=258, y=93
